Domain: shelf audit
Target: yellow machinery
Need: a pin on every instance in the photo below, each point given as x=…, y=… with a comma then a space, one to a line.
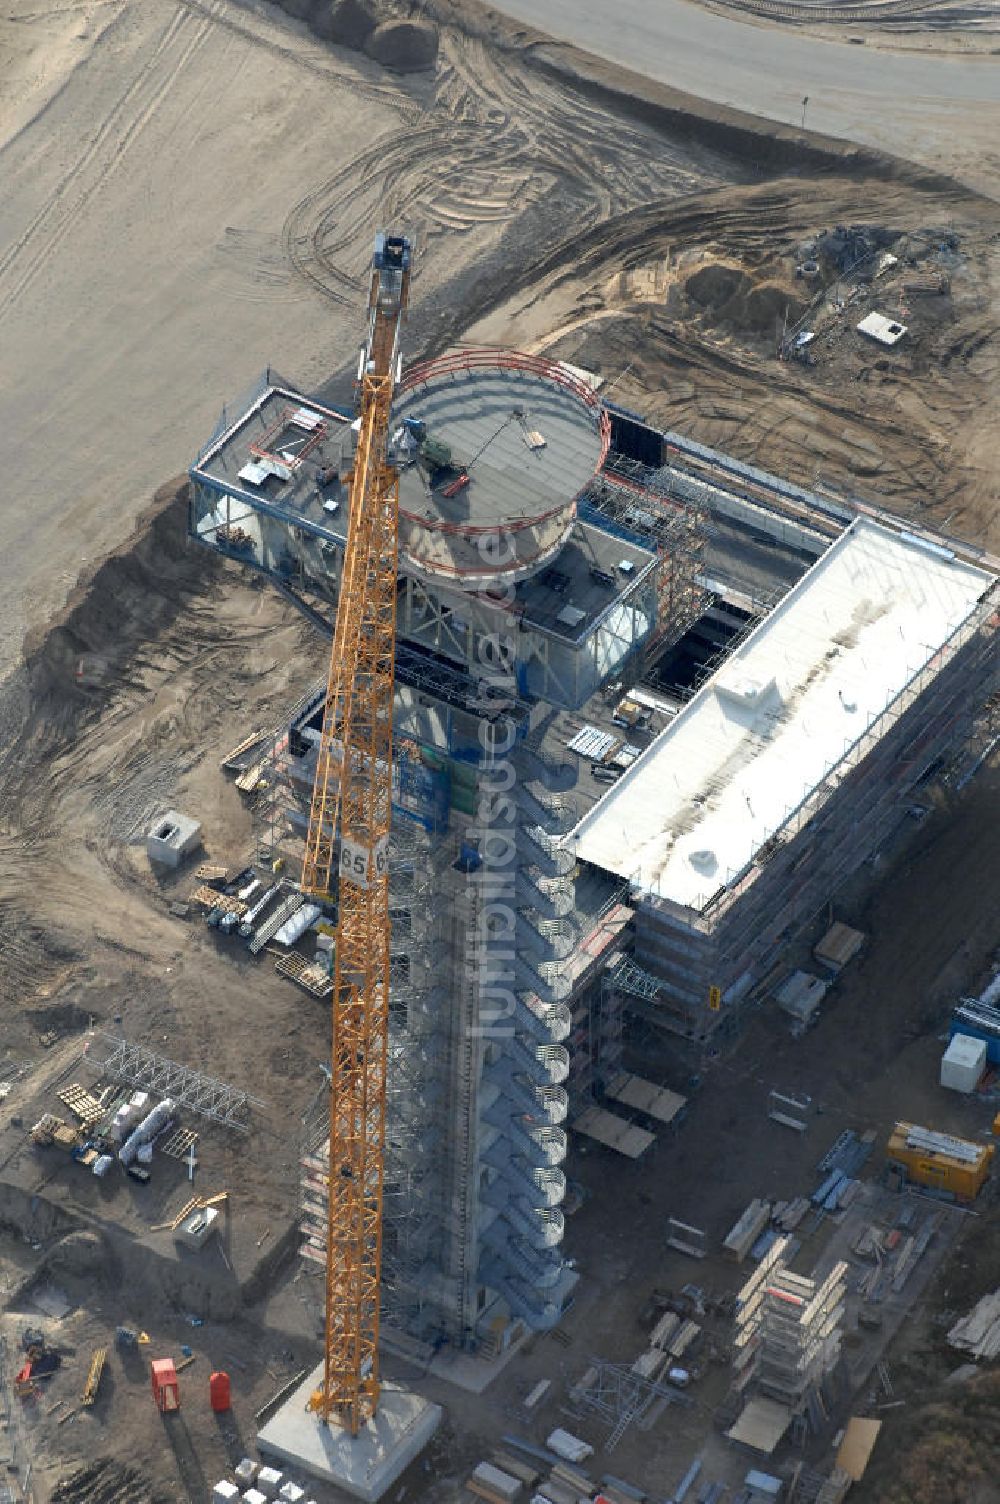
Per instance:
x=353, y=786
x=940, y=1160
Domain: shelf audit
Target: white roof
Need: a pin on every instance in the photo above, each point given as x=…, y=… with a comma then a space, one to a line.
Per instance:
x=965, y=1049
x=886, y=331
x=766, y=730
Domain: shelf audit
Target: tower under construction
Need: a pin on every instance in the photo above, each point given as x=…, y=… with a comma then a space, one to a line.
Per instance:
x=652, y=707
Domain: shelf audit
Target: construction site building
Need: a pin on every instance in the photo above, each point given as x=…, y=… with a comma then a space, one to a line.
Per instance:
x=576, y=832
x=791, y=766
x=940, y=1160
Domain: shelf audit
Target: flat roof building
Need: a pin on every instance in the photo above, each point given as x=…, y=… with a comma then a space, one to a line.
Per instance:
x=786, y=717
x=548, y=758
x=791, y=765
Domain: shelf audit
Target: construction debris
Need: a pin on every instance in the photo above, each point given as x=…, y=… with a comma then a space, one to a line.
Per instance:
x=196, y=1204
x=313, y=977
x=232, y=760
x=210, y=898
x=838, y=946
x=82, y=1105
x=790, y=1112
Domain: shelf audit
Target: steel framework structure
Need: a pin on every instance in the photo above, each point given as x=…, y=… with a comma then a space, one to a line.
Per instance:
x=353, y=787
x=140, y=1067
x=618, y=1394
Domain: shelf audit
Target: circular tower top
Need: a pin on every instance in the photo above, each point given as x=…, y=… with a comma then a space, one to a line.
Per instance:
x=493, y=450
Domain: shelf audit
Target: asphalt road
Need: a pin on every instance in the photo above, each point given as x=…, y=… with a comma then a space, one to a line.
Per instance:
x=942, y=111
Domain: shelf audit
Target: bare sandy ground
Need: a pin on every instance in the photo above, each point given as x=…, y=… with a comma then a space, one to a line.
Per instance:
x=142, y=277
x=190, y=188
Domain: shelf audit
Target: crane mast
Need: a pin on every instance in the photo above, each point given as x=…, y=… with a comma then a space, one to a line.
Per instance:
x=353, y=788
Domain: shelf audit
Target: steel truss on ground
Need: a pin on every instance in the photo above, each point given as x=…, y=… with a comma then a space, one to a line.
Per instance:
x=621, y=1396
x=143, y=1069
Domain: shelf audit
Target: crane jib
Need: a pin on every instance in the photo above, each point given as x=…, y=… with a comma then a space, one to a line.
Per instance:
x=347, y=856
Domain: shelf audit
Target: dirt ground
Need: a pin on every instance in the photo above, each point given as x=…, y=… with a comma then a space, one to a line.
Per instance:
x=681, y=308
x=191, y=655
x=190, y=190
x=174, y=219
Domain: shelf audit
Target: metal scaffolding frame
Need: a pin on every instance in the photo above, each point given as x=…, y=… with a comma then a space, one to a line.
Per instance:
x=142, y=1068
x=788, y=1333
x=619, y=1395
x=644, y=505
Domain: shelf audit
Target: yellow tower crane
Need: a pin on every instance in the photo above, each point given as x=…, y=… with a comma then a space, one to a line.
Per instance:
x=353, y=792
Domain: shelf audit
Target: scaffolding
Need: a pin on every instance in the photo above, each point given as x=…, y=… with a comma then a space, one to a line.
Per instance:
x=682, y=953
x=413, y=1207
x=623, y=1397
x=141, y=1068
x=788, y=1333
x=644, y=505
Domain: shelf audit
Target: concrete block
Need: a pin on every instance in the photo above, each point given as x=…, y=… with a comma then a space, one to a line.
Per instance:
x=172, y=838
x=291, y=1493
x=269, y=1480
x=246, y=1471
x=254, y=1496
x=224, y=1492
x=195, y=1231
x=364, y=1466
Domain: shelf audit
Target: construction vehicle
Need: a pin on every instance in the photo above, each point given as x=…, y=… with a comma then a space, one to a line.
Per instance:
x=348, y=839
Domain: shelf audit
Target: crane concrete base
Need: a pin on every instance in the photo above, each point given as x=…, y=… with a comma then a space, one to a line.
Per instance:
x=364, y=1465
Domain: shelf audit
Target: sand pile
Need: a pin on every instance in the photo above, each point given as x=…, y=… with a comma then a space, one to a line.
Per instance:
x=406, y=46
x=732, y=300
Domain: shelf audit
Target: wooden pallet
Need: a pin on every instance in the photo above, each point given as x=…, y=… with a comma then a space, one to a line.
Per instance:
x=247, y=782
x=81, y=1104
x=209, y=872
x=211, y=898
x=306, y=974
x=97, y=1362
x=178, y=1145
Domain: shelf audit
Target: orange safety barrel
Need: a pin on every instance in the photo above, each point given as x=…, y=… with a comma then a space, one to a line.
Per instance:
x=218, y=1391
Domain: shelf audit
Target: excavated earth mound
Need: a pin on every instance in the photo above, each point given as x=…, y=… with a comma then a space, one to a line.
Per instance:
x=348, y=22
x=405, y=46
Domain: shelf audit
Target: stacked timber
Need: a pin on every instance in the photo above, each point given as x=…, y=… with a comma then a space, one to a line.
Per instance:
x=493, y=1484
x=747, y=1230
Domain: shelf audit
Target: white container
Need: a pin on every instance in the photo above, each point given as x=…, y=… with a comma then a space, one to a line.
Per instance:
x=496, y=1481
x=291, y=1493
x=568, y=1446
x=254, y=1496
x=225, y=1492
x=963, y=1063
x=269, y=1480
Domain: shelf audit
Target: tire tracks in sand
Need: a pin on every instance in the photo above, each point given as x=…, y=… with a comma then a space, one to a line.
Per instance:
x=27, y=256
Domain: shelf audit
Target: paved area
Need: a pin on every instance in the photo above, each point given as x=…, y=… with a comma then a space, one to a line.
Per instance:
x=943, y=112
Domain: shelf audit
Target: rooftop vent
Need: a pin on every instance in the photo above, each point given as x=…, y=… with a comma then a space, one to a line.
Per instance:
x=703, y=860
x=742, y=689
